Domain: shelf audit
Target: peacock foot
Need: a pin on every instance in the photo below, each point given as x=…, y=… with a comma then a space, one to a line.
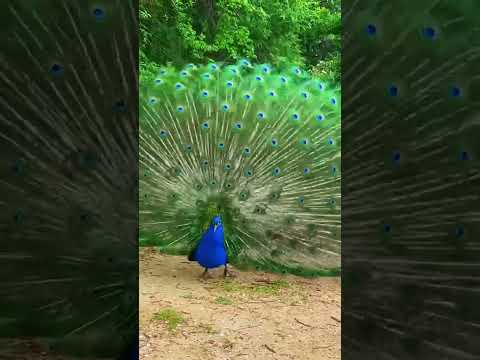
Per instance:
x=206, y=275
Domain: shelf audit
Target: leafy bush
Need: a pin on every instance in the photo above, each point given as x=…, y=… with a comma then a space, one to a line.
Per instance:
x=305, y=32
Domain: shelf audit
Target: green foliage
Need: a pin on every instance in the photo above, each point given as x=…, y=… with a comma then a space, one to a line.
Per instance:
x=305, y=32
x=170, y=317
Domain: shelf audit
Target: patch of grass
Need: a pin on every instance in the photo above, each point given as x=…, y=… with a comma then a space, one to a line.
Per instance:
x=272, y=288
x=171, y=317
x=223, y=301
x=231, y=286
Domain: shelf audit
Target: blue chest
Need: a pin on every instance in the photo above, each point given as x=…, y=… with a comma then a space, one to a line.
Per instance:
x=211, y=250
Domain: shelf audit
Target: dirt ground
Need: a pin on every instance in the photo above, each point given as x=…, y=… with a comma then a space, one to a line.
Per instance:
x=251, y=315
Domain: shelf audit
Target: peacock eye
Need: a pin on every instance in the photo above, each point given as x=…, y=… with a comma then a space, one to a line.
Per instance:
x=429, y=32
x=319, y=117
x=334, y=101
x=229, y=84
x=225, y=107
x=258, y=78
x=261, y=115
x=180, y=109
x=459, y=231
x=456, y=91
x=205, y=125
x=371, y=29
x=330, y=141
x=98, y=12
x=295, y=116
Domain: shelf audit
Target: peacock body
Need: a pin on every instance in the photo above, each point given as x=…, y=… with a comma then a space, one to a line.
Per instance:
x=259, y=147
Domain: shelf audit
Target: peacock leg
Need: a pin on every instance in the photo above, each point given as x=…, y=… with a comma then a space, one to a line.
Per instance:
x=225, y=271
x=205, y=273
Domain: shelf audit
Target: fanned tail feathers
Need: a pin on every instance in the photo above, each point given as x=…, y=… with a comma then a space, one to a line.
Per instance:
x=259, y=146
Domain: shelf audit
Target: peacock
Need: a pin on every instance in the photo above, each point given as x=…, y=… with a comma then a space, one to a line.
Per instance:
x=256, y=147
x=210, y=251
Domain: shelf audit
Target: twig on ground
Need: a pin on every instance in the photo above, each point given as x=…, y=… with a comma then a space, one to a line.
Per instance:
x=259, y=302
x=264, y=281
x=334, y=318
x=269, y=348
x=247, y=327
x=302, y=323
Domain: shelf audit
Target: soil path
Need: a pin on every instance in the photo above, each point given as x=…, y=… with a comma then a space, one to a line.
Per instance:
x=250, y=316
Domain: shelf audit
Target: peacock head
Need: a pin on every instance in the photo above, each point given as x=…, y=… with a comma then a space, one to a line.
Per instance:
x=216, y=222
